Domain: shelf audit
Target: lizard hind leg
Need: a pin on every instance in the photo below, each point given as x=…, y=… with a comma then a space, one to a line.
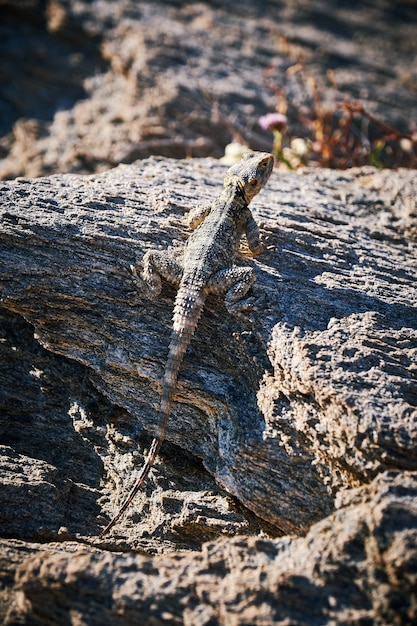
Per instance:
x=157, y=264
x=234, y=282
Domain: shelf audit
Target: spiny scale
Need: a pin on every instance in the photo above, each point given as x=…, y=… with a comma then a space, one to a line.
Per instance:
x=207, y=266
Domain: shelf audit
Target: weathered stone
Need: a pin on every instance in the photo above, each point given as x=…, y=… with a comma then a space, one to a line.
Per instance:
x=289, y=414
x=302, y=424
x=358, y=566
x=87, y=85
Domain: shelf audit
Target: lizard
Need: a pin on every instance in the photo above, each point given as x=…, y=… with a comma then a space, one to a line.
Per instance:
x=207, y=267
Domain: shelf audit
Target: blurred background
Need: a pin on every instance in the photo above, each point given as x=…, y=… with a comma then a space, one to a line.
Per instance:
x=88, y=84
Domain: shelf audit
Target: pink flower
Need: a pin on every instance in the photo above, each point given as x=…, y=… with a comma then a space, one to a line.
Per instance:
x=273, y=121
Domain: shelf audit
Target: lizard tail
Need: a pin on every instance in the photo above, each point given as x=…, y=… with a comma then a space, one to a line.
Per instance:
x=189, y=304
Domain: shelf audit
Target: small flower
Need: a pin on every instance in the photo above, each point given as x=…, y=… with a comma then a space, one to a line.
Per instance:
x=233, y=152
x=300, y=147
x=277, y=122
x=406, y=145
x=273, y=121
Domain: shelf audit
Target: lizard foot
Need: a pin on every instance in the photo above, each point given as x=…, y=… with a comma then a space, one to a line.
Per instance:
x=142, y=285
x=242, y=308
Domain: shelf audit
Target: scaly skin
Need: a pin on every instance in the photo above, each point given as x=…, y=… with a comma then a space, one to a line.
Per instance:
x=207, y=266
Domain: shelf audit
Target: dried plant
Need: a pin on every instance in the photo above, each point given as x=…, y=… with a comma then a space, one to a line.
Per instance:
x=335, y=132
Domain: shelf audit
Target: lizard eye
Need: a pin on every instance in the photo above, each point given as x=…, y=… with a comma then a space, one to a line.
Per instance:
x=254, y=182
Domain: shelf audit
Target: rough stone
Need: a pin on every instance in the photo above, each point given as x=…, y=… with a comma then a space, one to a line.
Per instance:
x=87, y=85
x=311, y=407
x=358, y=566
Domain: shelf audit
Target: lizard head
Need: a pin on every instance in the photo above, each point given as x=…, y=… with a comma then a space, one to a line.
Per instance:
x=251, y=173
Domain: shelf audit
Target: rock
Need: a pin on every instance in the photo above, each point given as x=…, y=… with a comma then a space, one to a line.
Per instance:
x=312, y=406
x=330, y=291
x=286, y=491
x=357, y=566
x=87, y=85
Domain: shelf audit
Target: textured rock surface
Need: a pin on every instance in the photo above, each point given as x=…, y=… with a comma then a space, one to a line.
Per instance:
x=86, y=85
x=312, y=407
x=358, y=566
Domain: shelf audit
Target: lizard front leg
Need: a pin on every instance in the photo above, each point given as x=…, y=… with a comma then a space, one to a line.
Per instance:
x=234, y=282
x=253, y=236
x=197, y=216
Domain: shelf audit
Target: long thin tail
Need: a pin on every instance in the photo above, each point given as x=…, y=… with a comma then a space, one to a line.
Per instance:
x=188, y=307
